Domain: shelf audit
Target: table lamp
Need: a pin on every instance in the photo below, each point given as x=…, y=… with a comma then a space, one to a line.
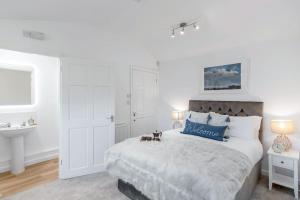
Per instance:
x=282, y=127
x=177, y=117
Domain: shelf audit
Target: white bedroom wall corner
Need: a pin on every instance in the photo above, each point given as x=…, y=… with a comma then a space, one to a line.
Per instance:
x=107, y=47
x=272, y=79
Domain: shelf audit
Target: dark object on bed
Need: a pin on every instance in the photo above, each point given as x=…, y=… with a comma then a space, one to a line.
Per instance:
x=157, y=135
x=130, y=191
x=232, y=108
x=146, y=138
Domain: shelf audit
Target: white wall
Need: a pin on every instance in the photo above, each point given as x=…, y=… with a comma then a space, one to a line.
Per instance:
x=273, y=79
x=83, y=41
x=42, y=143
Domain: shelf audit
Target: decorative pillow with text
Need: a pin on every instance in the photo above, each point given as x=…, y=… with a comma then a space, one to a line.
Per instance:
x=204, y=130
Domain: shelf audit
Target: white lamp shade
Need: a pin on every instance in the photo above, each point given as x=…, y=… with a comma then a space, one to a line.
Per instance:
x=282, y=126
x=177, y=115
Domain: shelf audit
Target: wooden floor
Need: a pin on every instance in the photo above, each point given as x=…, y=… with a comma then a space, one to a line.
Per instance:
x=34, y=175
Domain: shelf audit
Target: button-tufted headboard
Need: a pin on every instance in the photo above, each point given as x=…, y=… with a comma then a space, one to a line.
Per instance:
x=232, y=108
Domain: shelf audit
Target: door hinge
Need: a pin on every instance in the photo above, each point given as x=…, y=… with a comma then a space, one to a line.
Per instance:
x=60, y=162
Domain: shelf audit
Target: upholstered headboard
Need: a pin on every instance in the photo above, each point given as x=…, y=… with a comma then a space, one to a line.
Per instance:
x=232, y=108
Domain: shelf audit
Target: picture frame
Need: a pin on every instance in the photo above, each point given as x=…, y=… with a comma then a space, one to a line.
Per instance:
x=222, y=86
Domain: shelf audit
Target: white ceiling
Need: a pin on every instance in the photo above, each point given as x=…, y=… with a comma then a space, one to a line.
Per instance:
x=224, y=23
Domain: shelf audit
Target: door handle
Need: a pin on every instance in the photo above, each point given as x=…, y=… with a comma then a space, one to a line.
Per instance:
x=111, y=118
x=134, y=114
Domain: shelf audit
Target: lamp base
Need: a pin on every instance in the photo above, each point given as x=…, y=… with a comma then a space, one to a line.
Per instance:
x=281, y=144
x=177, y=124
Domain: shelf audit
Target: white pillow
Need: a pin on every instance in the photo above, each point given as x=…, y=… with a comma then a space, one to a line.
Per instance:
x=216, y=119
x=199, y=117
x=245, y=127
x=186, y=115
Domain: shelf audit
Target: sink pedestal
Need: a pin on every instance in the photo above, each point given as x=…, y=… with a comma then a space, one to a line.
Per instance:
x=16, y=135
x=17, y=157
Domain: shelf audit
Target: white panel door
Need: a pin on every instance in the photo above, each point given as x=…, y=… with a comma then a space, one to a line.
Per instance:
x=144, y=94
x=87, y=117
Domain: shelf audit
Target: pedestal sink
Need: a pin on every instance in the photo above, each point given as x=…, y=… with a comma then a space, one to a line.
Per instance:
x=16, y=135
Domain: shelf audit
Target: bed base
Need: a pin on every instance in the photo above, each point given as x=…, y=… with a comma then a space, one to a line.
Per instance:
x=244, y=193
x=130, y=191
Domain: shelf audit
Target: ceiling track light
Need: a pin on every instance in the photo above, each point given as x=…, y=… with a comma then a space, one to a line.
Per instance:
x=182, y=26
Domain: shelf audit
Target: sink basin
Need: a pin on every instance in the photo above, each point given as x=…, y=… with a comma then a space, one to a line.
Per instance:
x=16, y=131
x=16, y=135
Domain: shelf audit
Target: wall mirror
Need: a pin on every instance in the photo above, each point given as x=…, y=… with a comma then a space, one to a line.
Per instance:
x=16, y=86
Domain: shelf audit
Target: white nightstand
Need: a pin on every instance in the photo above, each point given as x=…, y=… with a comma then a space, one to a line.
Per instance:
x=287, y=160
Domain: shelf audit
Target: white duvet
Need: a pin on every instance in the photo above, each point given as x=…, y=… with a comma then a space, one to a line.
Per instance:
x=183, y=166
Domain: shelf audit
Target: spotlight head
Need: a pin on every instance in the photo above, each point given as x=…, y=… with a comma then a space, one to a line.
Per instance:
x=182, y=25
x=173, y=34
x=182, y=31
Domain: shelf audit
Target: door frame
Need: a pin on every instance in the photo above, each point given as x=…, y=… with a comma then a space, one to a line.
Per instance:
x=112, y=135
x=132, y=68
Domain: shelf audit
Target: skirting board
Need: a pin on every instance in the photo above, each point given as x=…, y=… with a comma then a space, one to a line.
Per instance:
x=32, y=159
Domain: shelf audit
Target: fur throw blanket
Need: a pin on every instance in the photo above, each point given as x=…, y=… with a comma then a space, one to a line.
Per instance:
x=179, y=167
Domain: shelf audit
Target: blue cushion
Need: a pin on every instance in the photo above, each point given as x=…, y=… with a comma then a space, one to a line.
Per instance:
x=204, y=130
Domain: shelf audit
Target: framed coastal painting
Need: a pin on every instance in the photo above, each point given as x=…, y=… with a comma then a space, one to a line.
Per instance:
x=225, y=78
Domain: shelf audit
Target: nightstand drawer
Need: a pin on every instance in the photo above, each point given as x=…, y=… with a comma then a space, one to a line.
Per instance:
x=283, y=162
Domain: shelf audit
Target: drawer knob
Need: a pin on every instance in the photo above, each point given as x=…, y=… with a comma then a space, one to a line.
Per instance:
x=282, y=162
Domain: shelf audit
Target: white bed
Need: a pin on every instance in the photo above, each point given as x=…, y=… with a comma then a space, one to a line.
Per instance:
x=191, y=167
x=252, y=148
x=155, y=173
